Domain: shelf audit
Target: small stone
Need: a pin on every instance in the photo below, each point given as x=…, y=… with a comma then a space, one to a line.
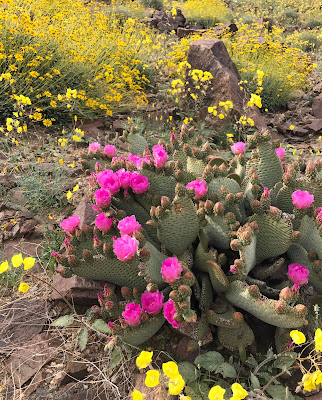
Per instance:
x=317, y=106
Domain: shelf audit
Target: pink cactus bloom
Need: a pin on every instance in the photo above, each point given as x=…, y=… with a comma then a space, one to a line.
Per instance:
x=109, y=150
x=71, y=223
x=298, y=274
x=124, y=177
x=280, y=152
x=169, y=311
x=146, y=159
x=318, y=212
x=135, y=159
x=160, y=156
x=171, y=270
x=128, y=225
x=103, y=198
x=102, y=223
x=93, y=147
x=302, y=199
x=125, y=247
x=109, y=180
x=200, y=187
x=152, y=303
x=139, y=183
x=266, y=192
x=238, y=148
x=132, y=314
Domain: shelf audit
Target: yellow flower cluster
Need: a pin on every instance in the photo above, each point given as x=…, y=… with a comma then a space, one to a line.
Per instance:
x=17, y=260
x=217, y=392
x=255, y=100
x=225, y=105
x=244, y=120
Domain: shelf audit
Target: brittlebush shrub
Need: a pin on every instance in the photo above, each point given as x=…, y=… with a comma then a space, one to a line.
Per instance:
x=48, y=46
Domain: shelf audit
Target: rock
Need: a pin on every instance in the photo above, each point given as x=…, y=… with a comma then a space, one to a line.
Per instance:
x=7, y=182
x=183, y=32
x=76, y=289
x=29, y=358
x=317, y=106
x=184, y=352
x=212, y=56
x=315, y=126
x=118, y=125
x=170, y=22
x=28, y=227
x=85, y=211
x=28, y=248
x=318, y=88
x=300, y=131
x=35, y=383
x=190, y=330
x=20, y=321
x=92, y=128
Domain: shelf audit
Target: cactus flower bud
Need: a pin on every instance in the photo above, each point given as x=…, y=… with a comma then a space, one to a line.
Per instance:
x=238, y=317
x=254, y=291
x=286, y=294
x=184, y=291
x=219, y=208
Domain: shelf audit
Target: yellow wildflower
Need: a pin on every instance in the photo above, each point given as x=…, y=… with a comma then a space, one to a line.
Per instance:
x=152, y=378
x=28, y=262
x=318, y=340
x=239, y=393
x=308, y=382
x=170, y=369
x=176, y=385
x=4, y=267
x=17, y=260
x=69, y=195
x=137, y=395
x=23, y=287
x=144, y=359
x=298, y=337
x=216, y=393
x=292, y=127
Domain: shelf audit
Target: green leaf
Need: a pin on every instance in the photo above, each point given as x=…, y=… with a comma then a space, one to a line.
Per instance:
x=63, y=321
x=188, y=371
x=116, y=357
x=197, y=391
x=254, y=381
x=227, y=370
x=284, y=362
x=279, y=392
x=82, y=339
x=101, y=326
x=209, y=361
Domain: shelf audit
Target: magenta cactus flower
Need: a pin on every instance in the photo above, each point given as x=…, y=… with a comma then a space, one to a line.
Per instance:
x=280, y=152
x=238, y=148
x=152, y=303
x=160, y=156
x=109, y=180
x=93, y=147
x=71, y=223
x=200, y=187
x=102, y=198
x=171, y=270
x=135, y=159
x=125, y=247
x=318, y=213
x=302, y=199
x=124, y=178
x=169, y=312
x=298, y=275
x=102, y=223
x=139, y=183
x=128, y=225
x=132, y=314
x=109, y=150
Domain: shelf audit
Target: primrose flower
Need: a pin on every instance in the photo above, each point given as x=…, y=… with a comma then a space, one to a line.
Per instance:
x=71, y=223
x=139, y=183
x=109, y=150
x=216, y=393
x=93, y=147
x=152, y=378
x=238, y=148
x=160, y=156
x=298, y=337
x=109, y=180
x=102, y=223
x=23, y=287
x=176, y=385
x=124, y=177
x=132, y=314
x=137, y=395
x=169, y=312
x=302, y=199
x=125, y=247
x=102, y=198
x=311, y=381
x=170, y=369
x=144, y=359
x=280, y=152
x=298, y=274
x=128, y=225
x=4, y=267
x=318, y=340
x=200, y=187
x=17, y=260
x=171, y=270
x=152, y=303
x=28, y=263
x=239, y=393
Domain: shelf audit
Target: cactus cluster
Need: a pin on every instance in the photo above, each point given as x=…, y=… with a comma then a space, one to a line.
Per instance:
x=194, y=239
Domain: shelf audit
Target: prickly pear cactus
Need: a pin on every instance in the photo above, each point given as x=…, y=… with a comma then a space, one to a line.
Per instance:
x=213, y=235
